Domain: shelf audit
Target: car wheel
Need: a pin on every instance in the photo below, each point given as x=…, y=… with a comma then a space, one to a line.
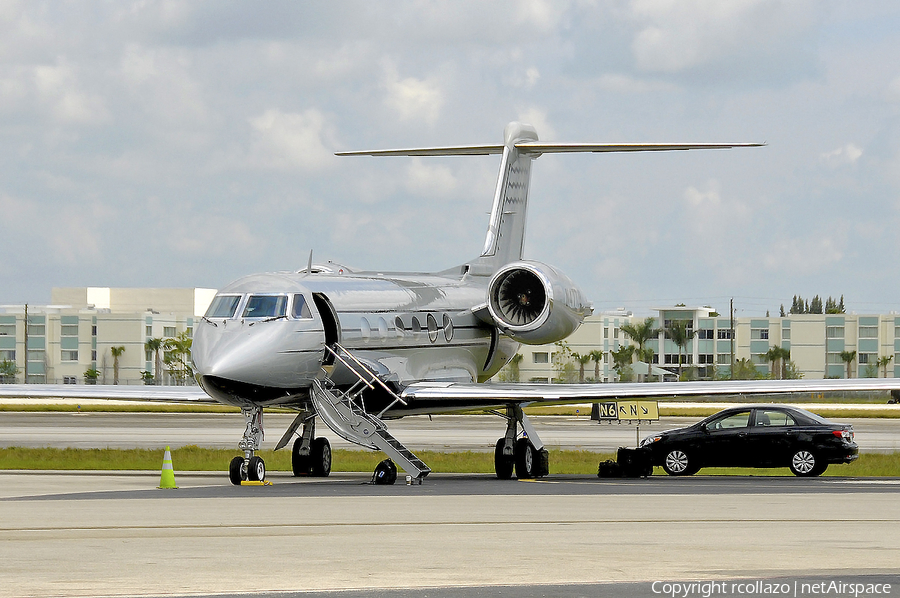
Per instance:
x=677, y=462
x=805, y=464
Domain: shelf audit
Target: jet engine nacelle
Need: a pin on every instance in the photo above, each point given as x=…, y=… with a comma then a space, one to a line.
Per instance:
x=535, y=303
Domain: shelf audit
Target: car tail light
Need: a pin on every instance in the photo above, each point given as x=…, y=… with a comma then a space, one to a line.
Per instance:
x=843, y=434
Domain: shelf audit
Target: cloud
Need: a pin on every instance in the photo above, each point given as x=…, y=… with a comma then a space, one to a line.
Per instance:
x=57, y=87
x=429, y=179
x=412, y=99
x=682, y=35
x=804, y=255
x=291, y=140
x=841, y=156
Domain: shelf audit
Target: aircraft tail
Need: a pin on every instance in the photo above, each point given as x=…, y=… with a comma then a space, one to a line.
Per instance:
x=505, y=238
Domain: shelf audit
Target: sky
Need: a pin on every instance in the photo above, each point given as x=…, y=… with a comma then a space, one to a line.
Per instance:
x=186, y=144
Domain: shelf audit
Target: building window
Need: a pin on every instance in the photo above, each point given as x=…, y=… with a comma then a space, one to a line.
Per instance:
x=148, y=355
x=833, y=358
x=94, y=330
x=541, y=357
x=896, y=331
x=606, y=332
x=686, y=359
x=35, y=355
x=724, y=334
x=9, y=354
x=834, y=332
x=705, y=358
x=69, y=356
x=868, y=332
x=169, y=331
x=706, y=335
x=785, y=334
x=866, y=358
x=149, y=330
x=36, y=330
x=615, y=333
x=70, y=380
x=94, y=355
x=10, y=329
x=759, y=334
x=68, y=330
x=723, y=359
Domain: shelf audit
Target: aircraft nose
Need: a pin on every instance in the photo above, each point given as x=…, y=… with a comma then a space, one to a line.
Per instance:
x=265, y=353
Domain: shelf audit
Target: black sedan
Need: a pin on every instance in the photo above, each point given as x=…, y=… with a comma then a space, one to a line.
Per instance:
x=755, y=436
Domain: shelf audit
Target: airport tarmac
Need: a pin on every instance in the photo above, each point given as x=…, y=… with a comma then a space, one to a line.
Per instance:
x=440, y=433
x=115, y=534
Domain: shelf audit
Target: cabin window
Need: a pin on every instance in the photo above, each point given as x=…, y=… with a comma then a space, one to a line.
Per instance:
x=223, y=306
x=300, y=310
x=266, y=306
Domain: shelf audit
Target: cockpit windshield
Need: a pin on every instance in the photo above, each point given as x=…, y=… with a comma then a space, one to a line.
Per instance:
x=300, y=310
x=223, y=306
x=266, y=306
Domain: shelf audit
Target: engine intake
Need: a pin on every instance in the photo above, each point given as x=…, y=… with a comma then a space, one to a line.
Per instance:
x=534, y=303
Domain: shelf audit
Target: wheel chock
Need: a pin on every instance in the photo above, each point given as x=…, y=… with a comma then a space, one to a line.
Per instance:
x=255, y=483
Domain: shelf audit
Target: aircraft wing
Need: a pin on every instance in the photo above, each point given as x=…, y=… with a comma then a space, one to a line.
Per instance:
x=420, y=396
x=164, y=394
x=541, y=147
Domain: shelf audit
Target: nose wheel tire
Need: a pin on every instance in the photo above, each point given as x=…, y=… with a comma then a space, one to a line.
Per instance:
x=805, y=464
x=236, y=471
x=256, y=470
x=678, y=462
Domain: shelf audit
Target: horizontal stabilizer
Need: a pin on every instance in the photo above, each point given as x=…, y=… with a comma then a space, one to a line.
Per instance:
x=541, y=147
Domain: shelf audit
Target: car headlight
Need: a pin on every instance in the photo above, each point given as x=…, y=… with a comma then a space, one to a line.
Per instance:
x=650, y=440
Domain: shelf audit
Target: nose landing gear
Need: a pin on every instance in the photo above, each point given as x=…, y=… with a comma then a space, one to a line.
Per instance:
x=249, y=467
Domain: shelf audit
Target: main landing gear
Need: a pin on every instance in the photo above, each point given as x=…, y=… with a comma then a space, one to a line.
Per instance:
x=310, y=456
x=526, y=456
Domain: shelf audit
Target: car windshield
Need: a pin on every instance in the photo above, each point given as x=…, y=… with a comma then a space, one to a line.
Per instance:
x=266, y=306
x=223, y=306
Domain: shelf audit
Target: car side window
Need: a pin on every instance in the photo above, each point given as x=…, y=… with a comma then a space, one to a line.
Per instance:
x=736, y=420
x=766, y=418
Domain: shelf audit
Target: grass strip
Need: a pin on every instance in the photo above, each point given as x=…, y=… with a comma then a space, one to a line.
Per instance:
x=193, y=458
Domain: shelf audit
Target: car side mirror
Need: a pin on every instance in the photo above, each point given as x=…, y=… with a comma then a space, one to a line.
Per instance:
x=705, y=428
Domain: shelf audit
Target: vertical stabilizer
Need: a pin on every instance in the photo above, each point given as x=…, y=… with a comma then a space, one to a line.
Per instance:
x=505, y=238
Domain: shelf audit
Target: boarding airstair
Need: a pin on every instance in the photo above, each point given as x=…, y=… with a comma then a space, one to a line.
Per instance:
x=344, y=412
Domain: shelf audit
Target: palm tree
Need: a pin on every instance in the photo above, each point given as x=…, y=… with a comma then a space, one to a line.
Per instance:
x=641, y=333
x=116, y=352
x=597, y=356
x=848, y=357
x=778, y=356
x=622, y=358
x=155, y=345
x=646, y=355
x=678, y=332
x=178, y=355
x=582, y=361
x=884, y=362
